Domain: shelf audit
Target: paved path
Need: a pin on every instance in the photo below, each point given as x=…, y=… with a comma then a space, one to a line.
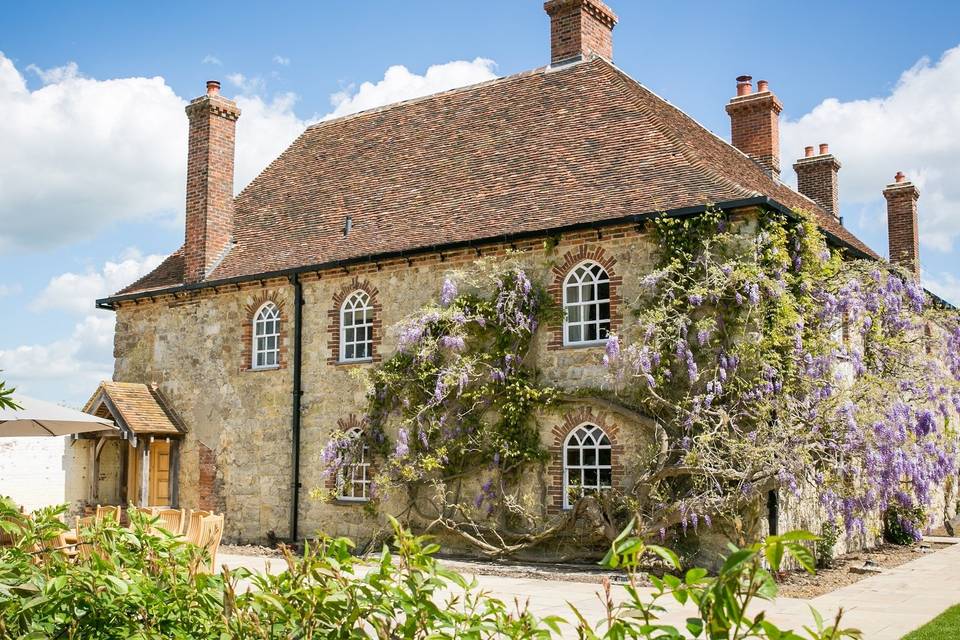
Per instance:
x=884, y=607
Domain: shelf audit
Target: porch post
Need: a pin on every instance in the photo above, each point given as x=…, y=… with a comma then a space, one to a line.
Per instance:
x=174, y=473
x=145, y=473
x=94, y=470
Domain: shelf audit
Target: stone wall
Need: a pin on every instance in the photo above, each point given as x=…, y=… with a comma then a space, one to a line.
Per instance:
x=236, y=456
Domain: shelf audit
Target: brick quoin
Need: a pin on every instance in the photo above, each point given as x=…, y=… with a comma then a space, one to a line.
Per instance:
x=209, y=212
x=356, y=284
x=903, y=236
x=577, y=417
x=208, y=498
x=817, y=178
x=755, y=123
x=580, y=28
x=571, y=259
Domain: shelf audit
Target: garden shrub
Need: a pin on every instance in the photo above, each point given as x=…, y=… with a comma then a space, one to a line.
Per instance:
x=903, y=525
x=146, y=586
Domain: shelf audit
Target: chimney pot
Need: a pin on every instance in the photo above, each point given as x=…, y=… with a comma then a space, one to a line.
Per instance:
x=580, y=29
x=213, y=87
x=763, y=85
x=824, y=148
x=899, y=177
x=744, y=88
x=808, y=152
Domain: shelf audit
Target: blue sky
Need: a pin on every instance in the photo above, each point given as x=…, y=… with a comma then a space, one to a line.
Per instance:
x=92, y=132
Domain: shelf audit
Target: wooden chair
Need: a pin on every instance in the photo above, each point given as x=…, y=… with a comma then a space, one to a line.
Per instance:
x=170, y=520
x=211, y=532
x=84, y=549
x=108, y=513
x=192, y=532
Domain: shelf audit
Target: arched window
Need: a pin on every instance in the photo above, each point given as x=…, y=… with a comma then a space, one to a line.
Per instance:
x=586, y=463
x=266, y=337
x=353, y=481
x=586, y=305
x=356, y=327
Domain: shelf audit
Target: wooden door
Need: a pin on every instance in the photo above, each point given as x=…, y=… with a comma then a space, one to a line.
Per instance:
x=159, y=474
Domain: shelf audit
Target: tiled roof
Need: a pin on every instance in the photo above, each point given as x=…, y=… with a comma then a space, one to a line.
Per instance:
x=141, y=407
x=534, y=151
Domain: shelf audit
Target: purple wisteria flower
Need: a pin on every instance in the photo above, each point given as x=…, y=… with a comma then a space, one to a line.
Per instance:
x=448, y=292
x=403, y=445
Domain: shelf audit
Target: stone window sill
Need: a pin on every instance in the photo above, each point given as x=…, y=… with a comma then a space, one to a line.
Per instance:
x=257, y=369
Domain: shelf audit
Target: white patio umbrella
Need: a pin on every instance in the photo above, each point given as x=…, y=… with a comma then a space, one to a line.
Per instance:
x=39, y=418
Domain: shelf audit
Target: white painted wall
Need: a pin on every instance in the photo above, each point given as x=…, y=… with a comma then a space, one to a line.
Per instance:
x=31, y=470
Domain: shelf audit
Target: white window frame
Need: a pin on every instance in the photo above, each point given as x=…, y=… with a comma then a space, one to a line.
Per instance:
x=260, y=321
x=575, y=283
x=367, y=326
x=598, y=442
x=358, y=471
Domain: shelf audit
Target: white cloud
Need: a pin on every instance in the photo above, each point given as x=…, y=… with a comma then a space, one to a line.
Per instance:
x=283, y=61
x=916, y=129
x=66, y=369
x=945, y=285
x=76, y=292
x=10, y=290
x=68, y=71
x=211, y=59
x=248, y=85
x=399, y=83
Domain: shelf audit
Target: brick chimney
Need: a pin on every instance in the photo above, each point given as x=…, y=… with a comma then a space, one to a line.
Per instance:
x=903, y=235
x=817, y=178
x=579, y=29
x=755, y=123
x=209, y=233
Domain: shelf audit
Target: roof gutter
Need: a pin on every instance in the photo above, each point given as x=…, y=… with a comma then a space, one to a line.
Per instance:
x=683, y=212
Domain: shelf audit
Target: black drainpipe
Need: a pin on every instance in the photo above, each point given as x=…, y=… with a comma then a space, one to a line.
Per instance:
x=297, y=393
x=773, y=512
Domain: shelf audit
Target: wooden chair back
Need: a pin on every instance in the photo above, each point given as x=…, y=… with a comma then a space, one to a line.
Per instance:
x=192, y=533
x=170, y=520
x=211, y=532
x=84, y=547
x=108, y=512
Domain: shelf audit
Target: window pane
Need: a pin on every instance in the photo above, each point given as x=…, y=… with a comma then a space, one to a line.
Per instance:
x=573, y=313
x=587, y=292
x=347, y=318
x=589, y=477
x=349, y=351
x=573, y=294
x=590, y=332
x=604, y=330
x=605, y=478
x=573, y=456
x=573, y=477
x=350, y=335
x=605, y=310
x=573, y=334
x=362, y=350
x=605, y=457
x=589, y=456
x=603, y=291
x=591, y=312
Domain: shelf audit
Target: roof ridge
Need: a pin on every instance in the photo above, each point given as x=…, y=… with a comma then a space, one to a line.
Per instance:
x=430, y=96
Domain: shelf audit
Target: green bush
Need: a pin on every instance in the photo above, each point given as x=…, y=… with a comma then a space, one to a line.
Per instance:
x=903, y=525
x=146, y=586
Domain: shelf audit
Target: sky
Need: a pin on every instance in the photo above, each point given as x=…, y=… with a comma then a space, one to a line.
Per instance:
x=93, y=133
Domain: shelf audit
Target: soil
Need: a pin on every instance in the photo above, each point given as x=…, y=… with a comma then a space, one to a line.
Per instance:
x=250, y=550
x=800, y=584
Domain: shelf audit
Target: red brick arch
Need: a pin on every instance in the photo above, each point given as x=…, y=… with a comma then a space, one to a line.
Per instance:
x=571, y=259
x=250, y=312
x=572, y=420
x=348, y=288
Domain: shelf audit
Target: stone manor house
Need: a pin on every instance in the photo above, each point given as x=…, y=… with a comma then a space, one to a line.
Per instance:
x=235, y=358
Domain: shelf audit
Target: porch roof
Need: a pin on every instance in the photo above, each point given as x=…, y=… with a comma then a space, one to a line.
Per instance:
x=138, y=409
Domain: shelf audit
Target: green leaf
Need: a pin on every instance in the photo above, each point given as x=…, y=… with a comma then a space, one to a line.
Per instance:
x=671, y=558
